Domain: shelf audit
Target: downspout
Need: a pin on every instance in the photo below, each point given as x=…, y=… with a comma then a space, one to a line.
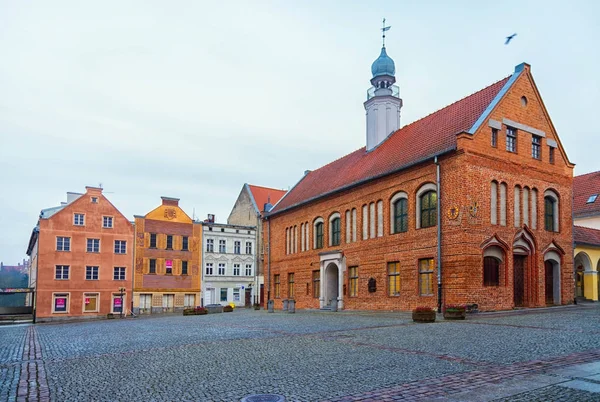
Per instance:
x=269, y=256
x=439, y=233
x=257, y=259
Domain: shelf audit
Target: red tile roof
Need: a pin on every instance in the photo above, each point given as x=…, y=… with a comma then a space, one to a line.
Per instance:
x=583, y=187
x=416, y=142
x=586, y=236
x=262, y=195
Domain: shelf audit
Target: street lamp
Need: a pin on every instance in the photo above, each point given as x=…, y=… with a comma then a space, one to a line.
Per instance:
x=122, y=290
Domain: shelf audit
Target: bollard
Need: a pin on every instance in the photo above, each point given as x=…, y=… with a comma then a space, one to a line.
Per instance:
x=285, y=304
x=334, y=305
x=270, y=306
x=291, y=306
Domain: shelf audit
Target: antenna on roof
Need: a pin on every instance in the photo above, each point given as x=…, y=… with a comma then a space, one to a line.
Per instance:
x=384, y=29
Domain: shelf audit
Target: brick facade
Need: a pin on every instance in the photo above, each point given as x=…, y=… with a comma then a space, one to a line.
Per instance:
x=467, y=230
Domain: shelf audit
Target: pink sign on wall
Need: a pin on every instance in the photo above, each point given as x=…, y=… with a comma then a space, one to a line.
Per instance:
x=169, y=264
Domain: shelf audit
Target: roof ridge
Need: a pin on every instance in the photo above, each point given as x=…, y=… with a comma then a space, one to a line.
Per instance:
x=268, y=188
x=586, y=174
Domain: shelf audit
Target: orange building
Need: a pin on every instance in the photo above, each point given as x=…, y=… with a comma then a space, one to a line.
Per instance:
x=81, y=254
x=167, y=260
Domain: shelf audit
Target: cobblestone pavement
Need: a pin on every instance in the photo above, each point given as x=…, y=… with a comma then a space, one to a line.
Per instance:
x=551, y=354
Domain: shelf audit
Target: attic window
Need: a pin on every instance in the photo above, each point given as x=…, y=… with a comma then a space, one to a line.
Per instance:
x=94, y=200
x=592, y=198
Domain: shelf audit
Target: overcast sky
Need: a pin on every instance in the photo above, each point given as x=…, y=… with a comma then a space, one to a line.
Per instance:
x=192, y=99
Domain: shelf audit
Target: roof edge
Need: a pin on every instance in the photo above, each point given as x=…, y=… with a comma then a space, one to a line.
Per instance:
x=518, y=70
x=360, y=182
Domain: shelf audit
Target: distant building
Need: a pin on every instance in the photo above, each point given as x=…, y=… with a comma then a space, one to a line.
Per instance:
x=20, y=267
x=229, y=258
x=586, y=233
x=81, y=256
x=167, y=260
x=249, y=210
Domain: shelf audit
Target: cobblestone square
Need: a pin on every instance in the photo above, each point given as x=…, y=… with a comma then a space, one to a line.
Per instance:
x=548, y=354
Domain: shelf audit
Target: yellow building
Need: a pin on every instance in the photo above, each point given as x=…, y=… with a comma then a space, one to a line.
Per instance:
x=167, y=260
x=586, y=234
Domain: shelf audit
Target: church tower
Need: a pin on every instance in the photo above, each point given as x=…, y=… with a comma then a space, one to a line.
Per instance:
x=383, y=99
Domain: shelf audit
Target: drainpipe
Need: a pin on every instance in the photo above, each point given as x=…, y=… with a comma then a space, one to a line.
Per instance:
x=269, y=257
x=257, y=259
x=439, y=233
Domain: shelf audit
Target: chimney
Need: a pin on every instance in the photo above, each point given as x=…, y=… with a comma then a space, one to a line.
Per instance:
x=72, y=197
x=268, y=207
x=173, y=202
x=211, y=218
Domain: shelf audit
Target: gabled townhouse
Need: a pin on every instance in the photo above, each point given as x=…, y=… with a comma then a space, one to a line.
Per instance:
x=248, y=210
x=167, y=260
x=81, y=259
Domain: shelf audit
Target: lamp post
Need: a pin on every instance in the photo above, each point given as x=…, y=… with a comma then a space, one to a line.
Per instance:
x=122, y=290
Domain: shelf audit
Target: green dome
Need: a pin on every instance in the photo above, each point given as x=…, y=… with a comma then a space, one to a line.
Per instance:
x=384, y=65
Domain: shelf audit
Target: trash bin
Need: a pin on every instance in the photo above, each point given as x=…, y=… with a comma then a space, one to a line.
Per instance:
x=334, y=305
x=270, y=306
x=291, y=306
x=285, y=304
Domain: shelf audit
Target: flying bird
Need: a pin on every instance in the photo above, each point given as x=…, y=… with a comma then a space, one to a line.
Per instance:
x=509, y=38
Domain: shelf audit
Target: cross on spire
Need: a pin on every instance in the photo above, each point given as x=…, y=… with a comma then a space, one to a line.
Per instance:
x=383, y=30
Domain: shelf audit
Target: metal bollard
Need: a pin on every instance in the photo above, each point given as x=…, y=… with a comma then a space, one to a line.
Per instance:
x=334, y=305
x=291, y=306
x=270, y=306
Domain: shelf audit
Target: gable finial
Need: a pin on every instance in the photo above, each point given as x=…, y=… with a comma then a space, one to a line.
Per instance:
x=384, y=29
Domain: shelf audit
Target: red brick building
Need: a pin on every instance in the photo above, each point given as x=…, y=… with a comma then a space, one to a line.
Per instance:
x=81, y=256
x=471, y=203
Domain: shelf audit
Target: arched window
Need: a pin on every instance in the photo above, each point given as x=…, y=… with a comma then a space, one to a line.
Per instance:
x=503, y=204
x=551, y=209
x=335, y=229
x=400, y=218
x=494, y=203
x=287, y=241
x=353, y=224
x=379, y=218
x=318, y=233
x=517, y=207
x=348, y=227
x=492, y=260
x=428, y=209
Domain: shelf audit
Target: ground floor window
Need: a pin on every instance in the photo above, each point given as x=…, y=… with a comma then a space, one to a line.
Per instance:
x=90, y=302
x=316, y=280
x=117, y=303
x=145, y=302
x=291, y=286
x=223, y=294
x=236, y=294
x=353, y=279
x=426, y=267
x=189, y=300
x=491, y=271
x=60, y=303
x=276, y=281
x=393, y=278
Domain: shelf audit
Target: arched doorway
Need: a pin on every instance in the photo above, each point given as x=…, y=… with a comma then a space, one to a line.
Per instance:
x=582, y=263
x=331, y=285
x=523, y=247
x=519, y=264
x=549, y=282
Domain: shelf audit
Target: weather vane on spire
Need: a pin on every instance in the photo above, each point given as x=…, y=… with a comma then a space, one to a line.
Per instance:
x=384, y=29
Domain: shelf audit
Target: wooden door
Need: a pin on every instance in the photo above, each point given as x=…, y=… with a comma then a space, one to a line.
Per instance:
x=248, y=298
x=519, y=279
x=549, y=275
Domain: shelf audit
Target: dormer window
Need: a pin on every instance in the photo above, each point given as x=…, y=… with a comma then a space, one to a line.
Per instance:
x=592, y=199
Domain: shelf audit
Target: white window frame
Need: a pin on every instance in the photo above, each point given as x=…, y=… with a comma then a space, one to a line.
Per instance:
x=248, y=271
x=236, y=291
x=66, y=295
x=87, y=246
x=237, y=247
x=78, y=219
x=249, y=248
x=314, y=228
x=186, y=300
x=422, y=190
x=210, y=245
x=223, y=242
x=62, y=272
x=85, y=296
x=220, y=266
x=62, y=243
x=121, y=269
x=107, y=222
x=239, y=269
x=211, y=266
x=556, y=209
x=92, y=272
x=112, y=303
x=396, y=197
x=120, y=243
x=330, y=234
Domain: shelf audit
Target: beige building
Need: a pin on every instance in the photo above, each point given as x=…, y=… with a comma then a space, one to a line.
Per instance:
x=248, y=211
